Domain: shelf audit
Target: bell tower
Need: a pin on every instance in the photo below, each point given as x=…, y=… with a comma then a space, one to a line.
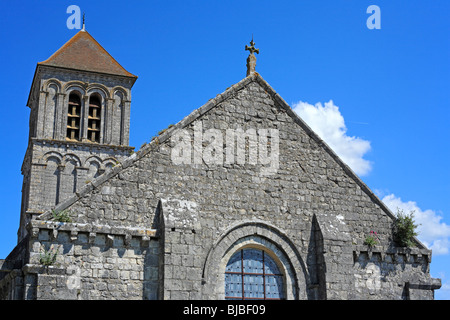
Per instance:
x=79, y=123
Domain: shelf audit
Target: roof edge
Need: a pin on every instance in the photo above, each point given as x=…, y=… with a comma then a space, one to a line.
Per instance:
x=71, y=40
x=144, y=150
x=330, y=151
x=194, y=115
x=133, y=78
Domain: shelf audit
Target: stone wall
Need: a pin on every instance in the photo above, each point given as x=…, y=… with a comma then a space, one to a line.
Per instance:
x=55, y=168
x=92, y=262
x=61, y=168
x=49, y=98
x=310, y=210
x=392, y=273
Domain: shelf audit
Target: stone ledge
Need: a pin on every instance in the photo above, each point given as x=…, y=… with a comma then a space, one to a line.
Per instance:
x=82, y=144
x=391, y=250
x=383, y=251
x=40, y=269
x=432, y=284
x=92, y=229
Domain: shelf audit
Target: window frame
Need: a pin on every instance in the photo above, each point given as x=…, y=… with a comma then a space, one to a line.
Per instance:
x=72, y=117
x=94, y=121
x=264, y=275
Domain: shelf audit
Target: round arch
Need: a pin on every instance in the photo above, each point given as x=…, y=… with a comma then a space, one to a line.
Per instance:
x=50, y=82
x=271, y=252
x=99, y=88
x=71, y=157
x=75, y=85
x=51, y=155
x=109, y=163
x=255, y=234
x=119, y=89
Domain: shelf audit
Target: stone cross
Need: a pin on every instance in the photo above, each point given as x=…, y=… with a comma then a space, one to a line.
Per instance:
x=251, y=60
x=252, y=48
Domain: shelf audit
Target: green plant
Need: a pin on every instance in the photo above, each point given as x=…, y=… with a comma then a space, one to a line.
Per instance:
x=48, y=257
x=404, y=229
x=61, y=216
x=115, y=164
x=372, y=239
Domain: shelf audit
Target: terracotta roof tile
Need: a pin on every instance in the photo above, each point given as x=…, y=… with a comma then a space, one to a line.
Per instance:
x=83, y=52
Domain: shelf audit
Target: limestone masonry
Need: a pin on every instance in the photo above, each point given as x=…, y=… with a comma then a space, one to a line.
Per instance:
x=240, y=199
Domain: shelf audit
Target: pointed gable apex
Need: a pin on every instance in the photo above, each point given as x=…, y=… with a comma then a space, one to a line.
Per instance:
x=194, y=115
x=83, y=52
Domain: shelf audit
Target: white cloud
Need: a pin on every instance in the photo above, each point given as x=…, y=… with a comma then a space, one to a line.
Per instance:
x=327, y=121
x=433, y=233
x=446, y=287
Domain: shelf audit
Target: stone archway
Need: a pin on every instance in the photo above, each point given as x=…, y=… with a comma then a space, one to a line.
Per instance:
x=262, y=235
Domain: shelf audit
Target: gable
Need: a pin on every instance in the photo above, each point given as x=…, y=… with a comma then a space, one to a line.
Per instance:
x=309, y=178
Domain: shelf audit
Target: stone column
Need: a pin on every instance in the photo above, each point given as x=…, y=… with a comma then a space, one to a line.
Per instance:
x=41, y=114
x=102, y=121
x=125, y=123
x=108, y=121
x=60, y=117
x=84, y=119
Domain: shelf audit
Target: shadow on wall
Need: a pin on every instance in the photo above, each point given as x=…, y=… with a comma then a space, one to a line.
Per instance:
x=316, y=262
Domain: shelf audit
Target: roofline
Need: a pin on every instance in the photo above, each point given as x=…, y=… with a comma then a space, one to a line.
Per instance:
x=57, y=52
x=194, y=115
x=39, y=65
x=31, y=89
x=132, y=76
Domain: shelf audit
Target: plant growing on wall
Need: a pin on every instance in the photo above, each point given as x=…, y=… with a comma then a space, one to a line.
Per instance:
x=372, y=239
x=48, y=257
x=404, y=229
x=61, y=216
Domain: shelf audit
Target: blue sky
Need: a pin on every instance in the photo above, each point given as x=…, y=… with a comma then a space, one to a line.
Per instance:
x=382, y=93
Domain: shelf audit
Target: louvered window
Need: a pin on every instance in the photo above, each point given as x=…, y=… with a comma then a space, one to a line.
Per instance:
x=253, y=274
x=94, y=119
x=73, y=118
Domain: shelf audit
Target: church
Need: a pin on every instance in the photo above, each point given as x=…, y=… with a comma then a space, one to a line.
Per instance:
x=239, y=200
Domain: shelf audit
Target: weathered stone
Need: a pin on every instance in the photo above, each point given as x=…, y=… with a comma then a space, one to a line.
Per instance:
x=150, y=228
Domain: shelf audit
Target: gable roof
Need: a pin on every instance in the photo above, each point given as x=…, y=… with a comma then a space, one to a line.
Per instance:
x=83, y=52
x=229, y=92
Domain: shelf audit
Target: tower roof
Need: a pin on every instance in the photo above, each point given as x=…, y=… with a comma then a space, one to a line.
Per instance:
x=83, y=52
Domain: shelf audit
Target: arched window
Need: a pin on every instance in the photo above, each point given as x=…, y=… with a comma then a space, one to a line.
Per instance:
x=94, y=118
x=73, y=117
x=253, y=274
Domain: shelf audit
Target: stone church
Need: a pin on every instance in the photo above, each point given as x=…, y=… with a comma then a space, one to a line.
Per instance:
x=238, y=200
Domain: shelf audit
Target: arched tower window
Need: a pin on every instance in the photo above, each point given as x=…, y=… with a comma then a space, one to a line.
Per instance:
x=73, y=117
x=253, y=274
x=94, y=118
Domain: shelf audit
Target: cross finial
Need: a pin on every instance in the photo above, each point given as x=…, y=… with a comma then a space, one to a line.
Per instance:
x=252, y=48
x=251, y=60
